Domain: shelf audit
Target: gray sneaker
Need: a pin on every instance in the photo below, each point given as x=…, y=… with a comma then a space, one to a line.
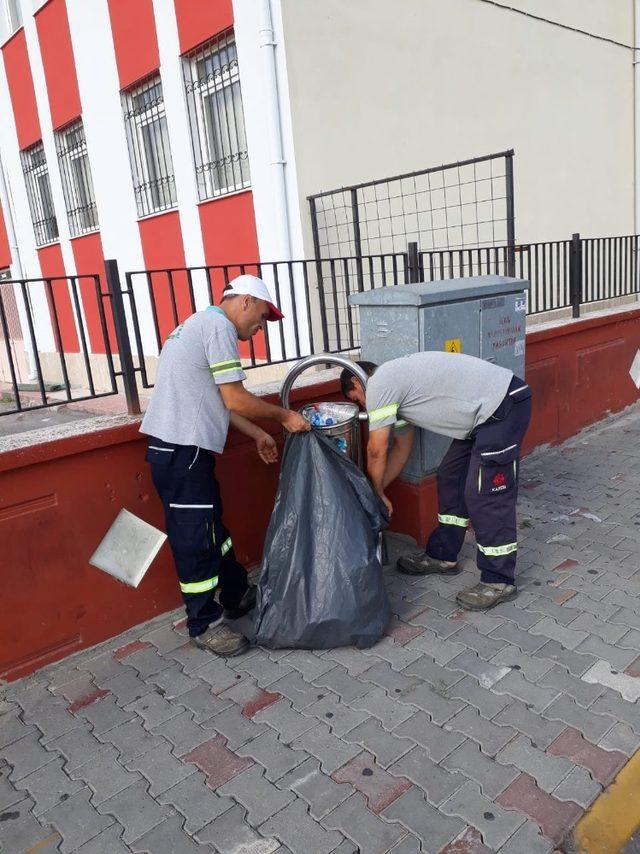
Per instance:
x=222, y=640
x=421, y=564
x=484, y=596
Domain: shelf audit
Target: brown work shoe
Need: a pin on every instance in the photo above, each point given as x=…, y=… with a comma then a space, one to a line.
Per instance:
x=484, y=596
x=222, y=640
x=421, y=564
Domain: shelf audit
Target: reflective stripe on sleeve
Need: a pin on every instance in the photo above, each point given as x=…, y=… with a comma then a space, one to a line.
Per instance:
x=446, y=519
x=498, y=551
x=400, y=424
x=383, y=412
x=226, y=546
x=225, y=367
x=199, y=586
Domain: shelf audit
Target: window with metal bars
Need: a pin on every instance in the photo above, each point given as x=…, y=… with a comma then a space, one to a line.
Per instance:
x=79, y=198
x=149, y=151
x=216, y=119
x=36, y=176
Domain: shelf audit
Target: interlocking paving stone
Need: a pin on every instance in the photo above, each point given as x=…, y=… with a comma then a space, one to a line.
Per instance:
x=527, y=839
x=168, y=838
x=602, y=764
x=437, y=624
x=611, y=703
x=342, y=683
x=218, y=763
x=436, y=783
x=492, y=777
x=489, y=736
x=618, y=658
x=486, y=701
x=354, y=660
x=107, y=842
x=339, y=717
x=195, y=801
x=387, y=747
x=21, y=831
x=231, y=834
x=438, y=741
x=135, y=810
x=603, y=676
x=386, y=709
x=105, y=775
x=608, y=632
x=282, y=717
x=25, y=756
x=534, y=696
x=495, y=824
x=12, y=729
x=575, y=662
x=487, y=674
x=540, y=731
x=390, y=680
x=325, y=746
x=309, y=665
x=547, y=770
x=468, y=842
x=484, y=645
x=438, y=705
x=620, y=738
x=319, y=790
x=77, y=821
x=104, y=715
x=257, y=795
x=274, y=756
x=300, y=693
x=173, y=682
x=236, y=728
x=430, y=825
x=154, y=709
x=553, y=816
x=9, y=794
x=583, y=693
x=131, y=739
x=579, y=787
x=183, y=733
x=160, y=768
x=440, y=649
x=217, y=674
x=369, y=832
x=295, y=827
x=379, y=787
x=592, y=725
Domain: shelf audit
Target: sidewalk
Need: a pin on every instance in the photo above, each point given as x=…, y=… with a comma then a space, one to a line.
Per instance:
x=459, y=732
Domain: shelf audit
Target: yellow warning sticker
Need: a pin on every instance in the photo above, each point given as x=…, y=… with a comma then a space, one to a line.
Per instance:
x=453, y=345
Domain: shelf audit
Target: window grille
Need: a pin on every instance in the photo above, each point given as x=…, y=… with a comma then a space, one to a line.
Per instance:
x=216, y=118
x=79, y=198
x=36, y=176
x=149, y=151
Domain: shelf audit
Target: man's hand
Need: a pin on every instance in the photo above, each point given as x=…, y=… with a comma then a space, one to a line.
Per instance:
x=293, y=422
x=386, y=503
x=267, y=448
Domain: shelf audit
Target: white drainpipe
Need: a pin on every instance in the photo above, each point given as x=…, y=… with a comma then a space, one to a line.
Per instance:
x=276, y=148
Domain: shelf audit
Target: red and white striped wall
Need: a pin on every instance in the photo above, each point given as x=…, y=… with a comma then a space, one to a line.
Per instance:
x=71, y=59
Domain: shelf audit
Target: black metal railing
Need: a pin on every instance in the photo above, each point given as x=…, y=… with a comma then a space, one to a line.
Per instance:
x=68, y=328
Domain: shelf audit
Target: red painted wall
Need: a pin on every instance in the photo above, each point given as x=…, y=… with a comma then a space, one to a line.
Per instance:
x=199, y=21
x=58, y=61
x=162, y=247
x=21, y=91
x=133, y=28
x=89, y=261
x=5, y=249
x=51, y=264
x=57, y=500
x=229, y=230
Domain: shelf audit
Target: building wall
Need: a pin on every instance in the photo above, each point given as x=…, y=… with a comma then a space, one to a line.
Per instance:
x=71, y=59
x=378, y=90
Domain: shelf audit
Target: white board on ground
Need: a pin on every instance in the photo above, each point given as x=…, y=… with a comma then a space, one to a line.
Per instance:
x=128, y=548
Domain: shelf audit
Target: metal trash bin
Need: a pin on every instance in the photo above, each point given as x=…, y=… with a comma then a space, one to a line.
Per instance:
x=347, y=415
x=345, y=429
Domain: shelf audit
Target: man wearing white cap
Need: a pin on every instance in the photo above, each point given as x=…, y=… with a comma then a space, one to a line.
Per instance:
x=198, y=391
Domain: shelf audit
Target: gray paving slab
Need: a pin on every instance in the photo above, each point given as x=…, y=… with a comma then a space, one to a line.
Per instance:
x=445, y=715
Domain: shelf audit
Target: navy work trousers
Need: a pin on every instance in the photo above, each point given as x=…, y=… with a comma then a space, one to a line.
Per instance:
x=184, y=477
x=478, y=482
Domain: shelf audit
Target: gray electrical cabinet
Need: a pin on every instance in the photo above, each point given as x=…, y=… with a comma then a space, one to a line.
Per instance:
x=482, y=316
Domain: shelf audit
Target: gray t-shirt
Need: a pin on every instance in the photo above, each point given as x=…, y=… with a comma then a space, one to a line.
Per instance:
x=186, y=407
x=447, y=393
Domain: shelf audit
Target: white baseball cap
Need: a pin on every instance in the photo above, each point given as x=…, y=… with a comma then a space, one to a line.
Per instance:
x=254, y=287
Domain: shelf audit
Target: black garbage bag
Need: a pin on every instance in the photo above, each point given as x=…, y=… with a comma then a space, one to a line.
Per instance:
x=321, y=583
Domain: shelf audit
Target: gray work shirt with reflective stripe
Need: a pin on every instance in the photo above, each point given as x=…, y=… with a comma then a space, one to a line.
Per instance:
x=186, y=407
x=447, y=393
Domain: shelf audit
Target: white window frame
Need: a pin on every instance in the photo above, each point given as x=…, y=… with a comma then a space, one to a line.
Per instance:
x=145, y=185
x=79, y=195
x=44, y=225
x=210, y=183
